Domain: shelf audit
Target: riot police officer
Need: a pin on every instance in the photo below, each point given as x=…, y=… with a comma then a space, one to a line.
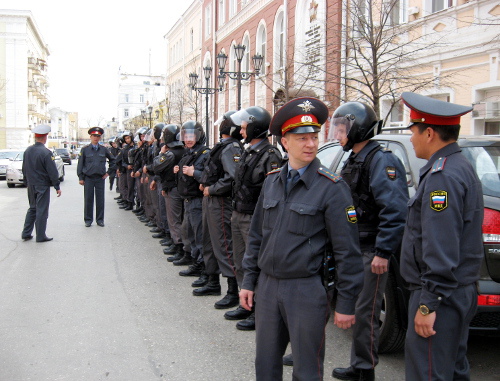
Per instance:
x=216, y=182
x=258, y=159
x=377, y=180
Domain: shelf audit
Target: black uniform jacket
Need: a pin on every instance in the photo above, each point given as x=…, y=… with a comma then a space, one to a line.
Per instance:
x=39, y=167
x=288, y=233
x=93, y=163
x=442, y=243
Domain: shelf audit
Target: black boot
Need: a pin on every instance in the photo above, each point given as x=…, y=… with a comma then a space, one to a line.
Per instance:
x=238, y=314
x=352, y=373
x=201, y=281
x=288, y=360
x=138, y=208
x=160, y=234
x=232, y=298
x=178, y=253
x=167, y=242
x=211, y=288
x=193, y=270
x=118, y=198
x=186, y=259
x=248, y=324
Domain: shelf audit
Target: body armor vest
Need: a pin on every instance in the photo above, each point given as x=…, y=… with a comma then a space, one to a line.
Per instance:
x=187, y=186
x=357, y=175
x=245, y=191
x=214, y=169
x=169, y=178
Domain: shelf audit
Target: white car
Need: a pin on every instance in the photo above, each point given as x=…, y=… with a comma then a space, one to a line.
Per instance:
x=5, y=159
x=15, y=173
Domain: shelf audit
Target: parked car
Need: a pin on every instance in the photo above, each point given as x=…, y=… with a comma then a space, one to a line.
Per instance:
x=6, y=155
x=15, y=173
x=484, y=155
x=64, y=153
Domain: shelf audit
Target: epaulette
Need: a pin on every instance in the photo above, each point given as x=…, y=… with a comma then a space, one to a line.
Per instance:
x=329, y=175
x=277, y=170
x=438, y=165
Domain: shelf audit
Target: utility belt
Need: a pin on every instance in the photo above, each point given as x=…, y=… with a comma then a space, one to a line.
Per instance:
x=243, y=207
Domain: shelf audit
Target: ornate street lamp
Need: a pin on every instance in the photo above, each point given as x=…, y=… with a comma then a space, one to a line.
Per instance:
x=239, y=51
x=150, y=112
x=207, y=73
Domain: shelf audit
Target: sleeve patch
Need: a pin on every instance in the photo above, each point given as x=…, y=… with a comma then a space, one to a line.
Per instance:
x=391, y=173
x=350, y=212
x=236, y=158
x=439, y=200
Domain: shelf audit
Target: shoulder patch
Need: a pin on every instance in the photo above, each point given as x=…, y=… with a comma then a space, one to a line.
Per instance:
x=438, y=165
x=236, y=158
x=329, y=175
x=350, y=212
x=439, y=200
x=277, y=170
x=391, y=172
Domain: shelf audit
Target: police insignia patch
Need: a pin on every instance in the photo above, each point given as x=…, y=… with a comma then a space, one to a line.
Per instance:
x=162, y=159
x=274, y=165
x=351, y=214
x=53, y=158
x=236, y=158
x=439, y=200
x=391, y=172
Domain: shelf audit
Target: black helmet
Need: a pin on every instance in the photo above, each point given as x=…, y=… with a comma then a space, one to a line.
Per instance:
x=171, y=135
x=127, y=133
x=119, y=139
x=111, y=140
x=357, y=120
x=258, y=120
x=140, y=132
x=227, y=126
x=193, y=127
x=158, y=129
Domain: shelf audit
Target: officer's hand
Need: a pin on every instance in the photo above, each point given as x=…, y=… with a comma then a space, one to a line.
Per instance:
x=344, y=321
x=206, y=192
x=246, y=299
x=106, y=175
x=176, y=169
x=163, y=193
x=129, y=166
x=58, y=192
x=424, y=324
x=137, y=174
x=189, y=171
x=379, y=265
x=152, y=185
x=144, y=169
x=82, y=182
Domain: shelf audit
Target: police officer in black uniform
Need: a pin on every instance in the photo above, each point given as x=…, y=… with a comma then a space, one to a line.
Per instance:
x=377, y=179
x=92, y=173
x=258, y=159
x=302, y=208
x=39, y=174
x=442, y=244
x=217, y=183
x=113, y=148
x=189, y=170
x=170, y=155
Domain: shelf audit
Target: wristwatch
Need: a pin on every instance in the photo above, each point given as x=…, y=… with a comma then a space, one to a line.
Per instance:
x=424, y=310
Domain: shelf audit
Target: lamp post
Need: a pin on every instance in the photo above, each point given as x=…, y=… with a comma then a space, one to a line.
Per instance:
x=150, y=112
x=193, y=78
x=239, y=51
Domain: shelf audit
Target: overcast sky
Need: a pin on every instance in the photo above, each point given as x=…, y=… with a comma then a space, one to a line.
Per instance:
x=89, y=40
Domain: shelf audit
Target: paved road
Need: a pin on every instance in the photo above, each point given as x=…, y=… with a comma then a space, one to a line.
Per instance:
x=104, y=304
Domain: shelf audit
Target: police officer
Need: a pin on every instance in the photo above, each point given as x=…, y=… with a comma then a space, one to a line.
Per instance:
x=377, y=179
x=189, y=170
x=442, y=244
x=170, y=155
x=217, y=183
x=92, y=173
x=113, y=148
x=259, y=158
x=39, y=174
x=121, y=170
x=302, y=208
x=128, y=182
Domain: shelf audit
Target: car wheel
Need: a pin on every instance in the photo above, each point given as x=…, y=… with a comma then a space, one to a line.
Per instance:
x=392, y=331
x=10, y=185
x=61, y=179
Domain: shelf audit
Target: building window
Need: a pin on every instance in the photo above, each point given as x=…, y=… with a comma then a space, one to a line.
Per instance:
x=280, y=38
x=492, y=128
x=191, y=38
x=261, y=46
x=126, y=98
x=232, y=7
x=208, y=20
x=222, y=12
x=439, y=5
x=398, y=11
x=245, y=63
x=141, y=98
x=397, y=115
x=125, y=113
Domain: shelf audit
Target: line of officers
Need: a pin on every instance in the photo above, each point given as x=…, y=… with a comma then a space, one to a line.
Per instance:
x=199, y=201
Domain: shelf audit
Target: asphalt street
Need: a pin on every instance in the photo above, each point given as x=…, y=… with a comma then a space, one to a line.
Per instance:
x=104, y=304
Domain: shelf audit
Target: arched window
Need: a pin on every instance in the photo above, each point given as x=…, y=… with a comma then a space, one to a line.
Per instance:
x=245, y=63
x=261, y=45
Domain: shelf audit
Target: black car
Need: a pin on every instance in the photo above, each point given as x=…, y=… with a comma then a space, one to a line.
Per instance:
x=64, y=153
x=484, y=154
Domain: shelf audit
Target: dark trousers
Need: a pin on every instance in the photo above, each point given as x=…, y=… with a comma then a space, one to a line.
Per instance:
x=192, y=217
x=174, y=205
x=442, y=356
x=161, y=213
x=38, y=212
x=123, y=185
x=217, y=222
x=130, y=186
x=366, y=331
x=94, y=187
x=240, y=226
x=295, y=311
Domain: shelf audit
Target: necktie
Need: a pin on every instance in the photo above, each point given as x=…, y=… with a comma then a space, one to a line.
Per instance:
x=293, y=177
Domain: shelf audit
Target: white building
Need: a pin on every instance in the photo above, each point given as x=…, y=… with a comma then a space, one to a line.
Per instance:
x=23, y=78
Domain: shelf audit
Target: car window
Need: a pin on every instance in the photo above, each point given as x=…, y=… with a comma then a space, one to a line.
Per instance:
x=328, y=153
x=8, y=154
x=486, y=162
